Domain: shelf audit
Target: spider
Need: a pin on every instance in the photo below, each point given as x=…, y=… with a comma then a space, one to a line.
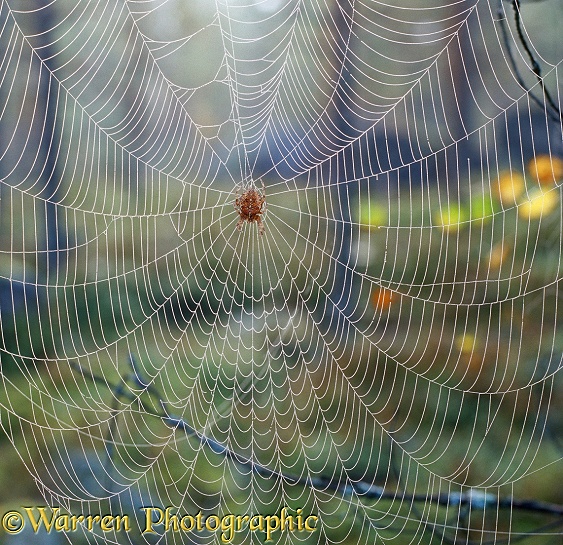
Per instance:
x=250, y=207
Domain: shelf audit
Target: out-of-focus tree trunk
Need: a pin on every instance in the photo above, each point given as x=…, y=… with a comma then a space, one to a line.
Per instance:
x=451, y=164
x=341, y=112
x=52, y=249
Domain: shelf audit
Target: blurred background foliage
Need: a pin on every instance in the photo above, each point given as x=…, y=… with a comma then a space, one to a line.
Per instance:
x=457, y=287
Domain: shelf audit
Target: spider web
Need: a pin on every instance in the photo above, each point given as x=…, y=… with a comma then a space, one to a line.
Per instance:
x=395, y=328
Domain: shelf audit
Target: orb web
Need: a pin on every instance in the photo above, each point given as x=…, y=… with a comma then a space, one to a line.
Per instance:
x=385, y=356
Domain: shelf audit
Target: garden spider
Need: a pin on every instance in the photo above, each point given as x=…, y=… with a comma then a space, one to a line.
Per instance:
x=250, y=206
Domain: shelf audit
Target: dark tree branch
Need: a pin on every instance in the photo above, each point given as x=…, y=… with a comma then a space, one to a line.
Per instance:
x=472, y=499
x=553, y=110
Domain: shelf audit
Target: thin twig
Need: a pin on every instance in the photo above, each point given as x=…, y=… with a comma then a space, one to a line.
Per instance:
x=515, y=69
x=553, y=112
x=474, y=499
